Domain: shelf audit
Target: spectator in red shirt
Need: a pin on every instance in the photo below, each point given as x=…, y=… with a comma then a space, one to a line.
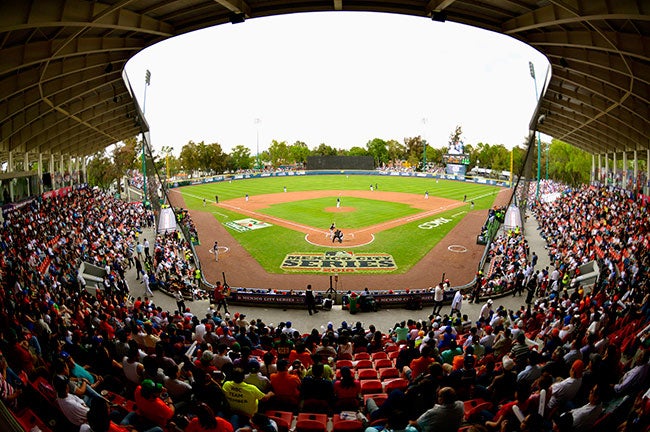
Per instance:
x=151, y=410
x=19, y=357
x=301, y=353
x=421, y=364
x=347, y=391
x=286, y=386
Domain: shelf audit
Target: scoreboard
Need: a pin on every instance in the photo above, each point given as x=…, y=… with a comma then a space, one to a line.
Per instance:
x=457, y=159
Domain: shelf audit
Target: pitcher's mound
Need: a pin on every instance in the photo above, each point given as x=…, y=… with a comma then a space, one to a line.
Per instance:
x=340, y=209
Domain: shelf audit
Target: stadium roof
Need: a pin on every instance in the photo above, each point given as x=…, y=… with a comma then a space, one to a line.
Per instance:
x=61, y=62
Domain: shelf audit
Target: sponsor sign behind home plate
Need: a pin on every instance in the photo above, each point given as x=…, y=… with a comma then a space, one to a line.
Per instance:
x=247, y=224
x=339, y=262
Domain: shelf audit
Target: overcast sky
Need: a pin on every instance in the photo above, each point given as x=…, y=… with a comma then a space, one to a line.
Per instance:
x=337, y=78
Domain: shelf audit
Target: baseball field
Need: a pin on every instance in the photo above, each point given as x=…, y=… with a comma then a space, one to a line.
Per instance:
x=389, y=224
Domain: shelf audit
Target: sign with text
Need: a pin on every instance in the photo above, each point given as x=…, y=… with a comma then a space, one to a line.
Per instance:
x=247, y=224
x=339, y=262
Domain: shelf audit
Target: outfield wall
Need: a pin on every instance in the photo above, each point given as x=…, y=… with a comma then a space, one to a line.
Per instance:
x=317, y=163
x=243, y=176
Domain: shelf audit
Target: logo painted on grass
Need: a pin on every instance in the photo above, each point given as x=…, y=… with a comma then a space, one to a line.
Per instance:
x=248, y=224
x=433, y=223
x=339, y=262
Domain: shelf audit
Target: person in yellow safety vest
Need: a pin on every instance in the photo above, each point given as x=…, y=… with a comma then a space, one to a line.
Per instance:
x=197, y=276
x=565, y=280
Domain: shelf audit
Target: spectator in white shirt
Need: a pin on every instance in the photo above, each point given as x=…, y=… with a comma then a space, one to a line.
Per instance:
x=72, y=406
x=568, y=388
x=585, y=417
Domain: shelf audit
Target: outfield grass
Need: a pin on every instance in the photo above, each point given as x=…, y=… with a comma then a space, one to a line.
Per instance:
x=367, y=212
x=407, y=243
x=239, y=188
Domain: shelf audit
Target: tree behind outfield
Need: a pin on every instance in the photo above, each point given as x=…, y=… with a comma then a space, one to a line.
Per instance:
x=279, y=153
x=103, y=169
x=568, y=163
x=241, y=158
x=298, y=153
x=125, y=157
x=378, y=150
x=324, y=150
x=100, y=170
x=203, y=157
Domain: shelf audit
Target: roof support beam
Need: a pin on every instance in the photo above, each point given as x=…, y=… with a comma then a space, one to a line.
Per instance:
x=236, y=6
x=592, y=10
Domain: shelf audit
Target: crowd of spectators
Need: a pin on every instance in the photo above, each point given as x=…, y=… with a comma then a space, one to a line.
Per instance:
x=574, y=358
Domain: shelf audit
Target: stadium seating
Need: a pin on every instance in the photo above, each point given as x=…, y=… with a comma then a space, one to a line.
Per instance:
x=395, y=384
x=30, y=421
x=379, y=398
x=311, y=422
x=371, y=386
x=388, y=373
x=344, y=363
x=310, y=426
x=347, y=425
x=383, y=363
x=474, y=407
x=364, y=364
x=362, y=356
x=366, y=374
x=284, y=419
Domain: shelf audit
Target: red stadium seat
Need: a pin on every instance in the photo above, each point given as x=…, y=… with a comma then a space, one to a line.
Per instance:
x=362, y=356
x=310, y=426
x=366, y=374
x=383, y=363
x=379, y=398
x=391, y=348
x=343, y=363
x=311, y=422
x=397, y=383
x=379, y=422
x=393, y=355
x=321, y=418
x=284, y=419
x=371, y=386
x=388, y=373
x=364, y=364
x=30, y=421
x=339, y=425
x=379, y=355
x=474, y=407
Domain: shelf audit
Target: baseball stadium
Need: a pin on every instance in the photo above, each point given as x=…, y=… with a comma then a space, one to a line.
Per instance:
x=334, y=295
